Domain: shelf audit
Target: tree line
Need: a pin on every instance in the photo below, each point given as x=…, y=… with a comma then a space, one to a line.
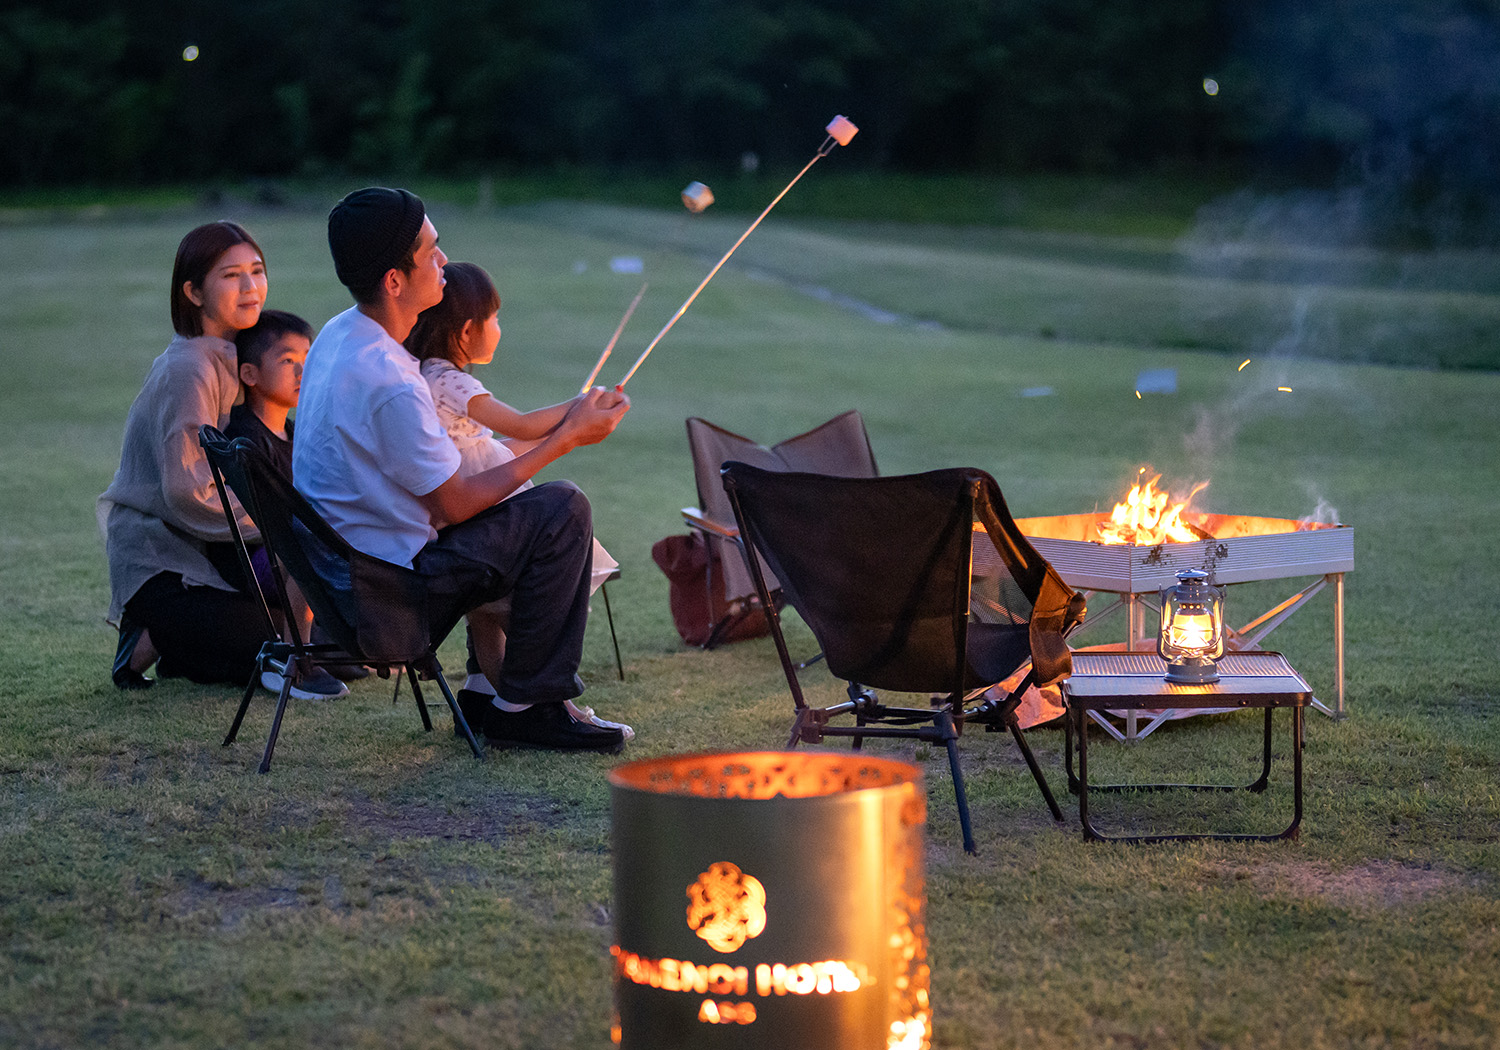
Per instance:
x=143, y=91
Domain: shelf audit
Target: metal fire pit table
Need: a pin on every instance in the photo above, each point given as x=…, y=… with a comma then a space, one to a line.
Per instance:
x=1112, y=681
x=1234, y=549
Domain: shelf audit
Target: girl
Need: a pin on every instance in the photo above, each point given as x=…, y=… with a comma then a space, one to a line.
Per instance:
x=464, y=330
x=176, y=589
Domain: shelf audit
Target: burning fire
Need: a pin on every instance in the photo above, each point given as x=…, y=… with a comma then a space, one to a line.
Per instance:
x=1148, y=516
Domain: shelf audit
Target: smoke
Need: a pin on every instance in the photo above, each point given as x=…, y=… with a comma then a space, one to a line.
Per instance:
x=1323, y=513
x=1391, y=111
x=1212, y=436
x=1399, y=99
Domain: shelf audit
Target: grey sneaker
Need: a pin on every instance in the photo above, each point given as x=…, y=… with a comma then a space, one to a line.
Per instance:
x=316, y=684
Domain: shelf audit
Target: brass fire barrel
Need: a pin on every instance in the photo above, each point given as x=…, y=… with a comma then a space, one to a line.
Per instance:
x=769, y=899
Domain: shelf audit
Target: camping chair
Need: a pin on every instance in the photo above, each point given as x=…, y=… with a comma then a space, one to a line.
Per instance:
x=839, y=447
x=375, y=611
x=880, y=570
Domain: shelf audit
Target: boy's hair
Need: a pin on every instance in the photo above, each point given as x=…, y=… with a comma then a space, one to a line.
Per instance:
x=251, y=344
x=196, y=255
x=469, y=295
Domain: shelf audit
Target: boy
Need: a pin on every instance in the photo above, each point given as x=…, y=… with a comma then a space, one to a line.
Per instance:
x=271, y=354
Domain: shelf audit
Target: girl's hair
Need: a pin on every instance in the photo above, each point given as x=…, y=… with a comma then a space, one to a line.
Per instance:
x=196, y=256
x=469, y=295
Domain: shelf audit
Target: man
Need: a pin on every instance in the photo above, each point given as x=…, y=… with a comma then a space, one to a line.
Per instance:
x=372, y=457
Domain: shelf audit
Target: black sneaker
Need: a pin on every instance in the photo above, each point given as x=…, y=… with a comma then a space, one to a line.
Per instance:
x=474, y=705
x=548, y=726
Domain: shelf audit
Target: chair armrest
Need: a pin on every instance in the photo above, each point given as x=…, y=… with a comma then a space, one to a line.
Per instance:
x=696, y=519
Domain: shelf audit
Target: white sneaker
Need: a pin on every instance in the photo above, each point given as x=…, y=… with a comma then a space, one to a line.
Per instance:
x=586, y=714
x=316, y=684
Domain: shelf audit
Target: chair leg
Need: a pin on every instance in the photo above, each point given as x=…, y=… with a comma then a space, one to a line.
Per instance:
x=859, y=697
x=458, y=716
x=944, y=723
x=1036, y=770
x=814, y=658
x=962, y=796
x=286, y=691
x=796, y=737
x=610, y=616
x=239, y=716
x=411, y=672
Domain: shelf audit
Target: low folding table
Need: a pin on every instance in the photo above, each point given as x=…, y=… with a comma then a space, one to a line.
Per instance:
x=1136, y=681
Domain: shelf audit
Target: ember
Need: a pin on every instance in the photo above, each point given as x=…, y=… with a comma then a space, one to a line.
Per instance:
x=1149, y=517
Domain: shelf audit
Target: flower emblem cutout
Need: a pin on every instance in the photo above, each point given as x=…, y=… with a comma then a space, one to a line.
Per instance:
x=726, y=907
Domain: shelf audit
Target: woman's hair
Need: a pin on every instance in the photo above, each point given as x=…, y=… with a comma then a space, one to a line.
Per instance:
x=469, y=295
x=196, y=255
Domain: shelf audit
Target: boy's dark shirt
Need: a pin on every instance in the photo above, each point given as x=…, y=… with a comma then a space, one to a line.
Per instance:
x=243, y=422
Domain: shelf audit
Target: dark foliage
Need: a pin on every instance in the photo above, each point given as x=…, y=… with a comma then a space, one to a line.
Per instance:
x=100, y=90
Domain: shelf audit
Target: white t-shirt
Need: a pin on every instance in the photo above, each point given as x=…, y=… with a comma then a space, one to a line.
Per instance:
x=369, y=442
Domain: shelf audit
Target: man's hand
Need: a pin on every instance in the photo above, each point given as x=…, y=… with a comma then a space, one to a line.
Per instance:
x=593, y=417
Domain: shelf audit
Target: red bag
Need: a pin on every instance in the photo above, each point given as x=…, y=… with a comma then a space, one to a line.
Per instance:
x=700, y=612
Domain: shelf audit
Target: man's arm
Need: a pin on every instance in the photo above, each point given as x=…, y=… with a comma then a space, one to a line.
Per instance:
x=592, y=418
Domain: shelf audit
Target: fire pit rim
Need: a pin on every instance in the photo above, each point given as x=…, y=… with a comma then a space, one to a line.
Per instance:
x=752, y=775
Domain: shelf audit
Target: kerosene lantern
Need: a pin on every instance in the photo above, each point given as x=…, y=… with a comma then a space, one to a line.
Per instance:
x=1191, y=639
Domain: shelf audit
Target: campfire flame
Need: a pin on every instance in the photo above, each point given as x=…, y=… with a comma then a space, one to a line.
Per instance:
x=1148, y=516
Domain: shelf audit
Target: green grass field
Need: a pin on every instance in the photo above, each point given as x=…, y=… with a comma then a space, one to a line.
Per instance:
x=379, y=888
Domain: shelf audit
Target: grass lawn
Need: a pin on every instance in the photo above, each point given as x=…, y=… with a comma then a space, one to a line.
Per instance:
x=380, y=888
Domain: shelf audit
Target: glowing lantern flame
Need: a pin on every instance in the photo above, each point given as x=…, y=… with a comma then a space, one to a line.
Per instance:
x=1192, y=632
x=1148, y=516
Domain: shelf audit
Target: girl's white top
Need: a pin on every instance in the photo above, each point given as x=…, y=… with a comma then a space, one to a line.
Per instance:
x=452, y=390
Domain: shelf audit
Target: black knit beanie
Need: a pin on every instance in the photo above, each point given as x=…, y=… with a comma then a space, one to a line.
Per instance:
x=370, y=232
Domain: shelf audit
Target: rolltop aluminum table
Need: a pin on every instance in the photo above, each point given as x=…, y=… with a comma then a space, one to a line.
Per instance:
x=1135, y=681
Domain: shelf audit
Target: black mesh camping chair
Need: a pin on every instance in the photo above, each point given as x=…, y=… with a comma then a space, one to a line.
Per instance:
x=840, y=447
x=880, y=570
x=375, y=611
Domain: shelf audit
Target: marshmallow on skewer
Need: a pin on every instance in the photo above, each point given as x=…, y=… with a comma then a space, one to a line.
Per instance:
x=697, y=197
x=842, y=130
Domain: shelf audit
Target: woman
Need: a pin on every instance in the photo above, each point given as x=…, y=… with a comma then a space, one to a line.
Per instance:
x=175, y=580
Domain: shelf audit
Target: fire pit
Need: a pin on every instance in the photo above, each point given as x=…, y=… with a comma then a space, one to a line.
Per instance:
x=1230, y=548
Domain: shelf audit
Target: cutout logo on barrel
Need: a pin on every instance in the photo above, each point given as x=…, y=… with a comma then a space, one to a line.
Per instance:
x=726, y=907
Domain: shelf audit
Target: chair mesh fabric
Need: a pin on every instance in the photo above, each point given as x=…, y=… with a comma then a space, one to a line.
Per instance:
x=879, y=568
x=839, y=447
x=372, y=609
x=1055, y=609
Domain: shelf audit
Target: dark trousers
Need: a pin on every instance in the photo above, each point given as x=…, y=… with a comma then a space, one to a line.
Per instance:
x=202, y=633
x=537, y=549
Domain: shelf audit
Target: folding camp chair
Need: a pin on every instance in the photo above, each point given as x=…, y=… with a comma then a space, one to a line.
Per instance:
x=839, y=447
x=375, y=611
x=880, y=570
